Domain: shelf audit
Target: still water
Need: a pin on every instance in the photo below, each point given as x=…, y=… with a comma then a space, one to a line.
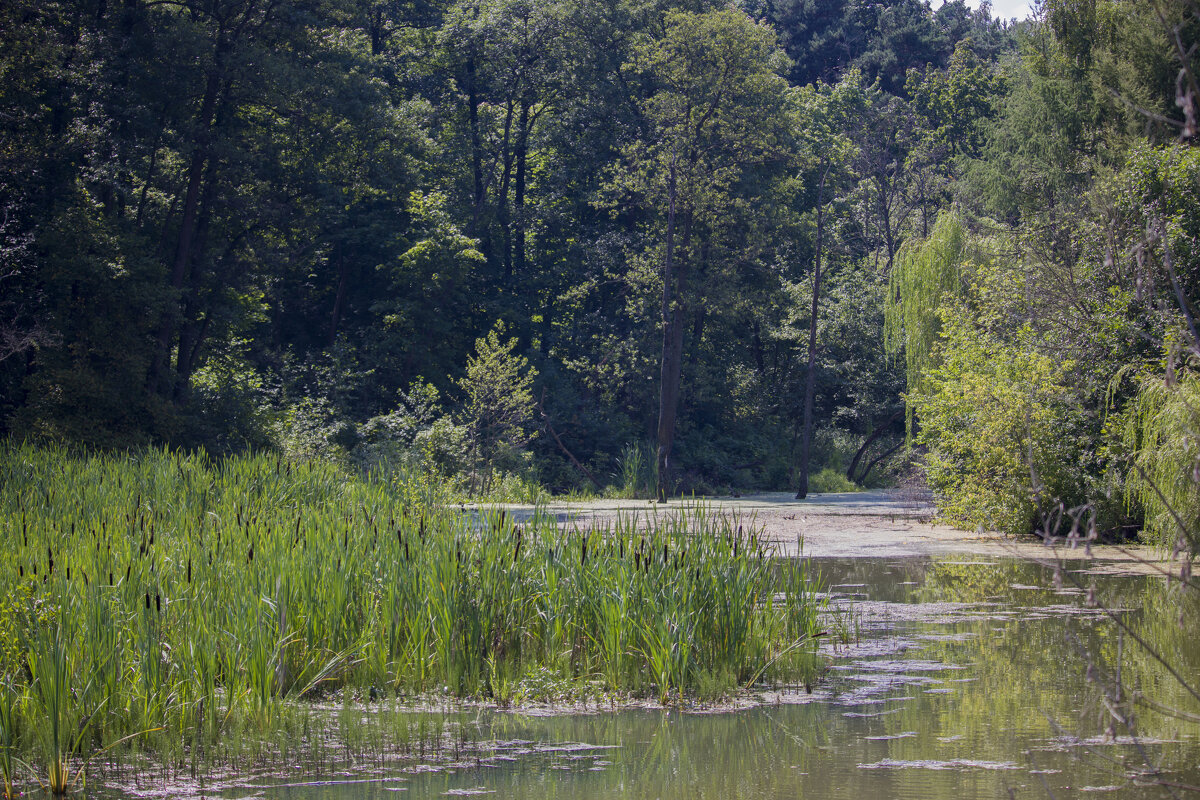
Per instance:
x=961, y=678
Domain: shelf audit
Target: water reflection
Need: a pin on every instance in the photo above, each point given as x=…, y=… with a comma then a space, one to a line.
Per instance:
x=962, y=679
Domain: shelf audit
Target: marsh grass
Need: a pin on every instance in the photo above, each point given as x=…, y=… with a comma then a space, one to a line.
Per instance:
x=169, y=604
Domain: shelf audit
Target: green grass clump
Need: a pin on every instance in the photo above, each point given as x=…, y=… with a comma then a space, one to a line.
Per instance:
x=172, y=593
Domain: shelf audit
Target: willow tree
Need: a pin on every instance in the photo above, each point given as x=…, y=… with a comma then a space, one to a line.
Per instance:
x=1161, y=430
x=925, y=273
x=718, y=107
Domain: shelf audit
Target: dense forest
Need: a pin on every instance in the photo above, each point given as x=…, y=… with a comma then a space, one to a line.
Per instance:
x=577, y=244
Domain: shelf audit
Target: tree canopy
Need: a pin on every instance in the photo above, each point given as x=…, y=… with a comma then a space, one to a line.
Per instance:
x=737, y=240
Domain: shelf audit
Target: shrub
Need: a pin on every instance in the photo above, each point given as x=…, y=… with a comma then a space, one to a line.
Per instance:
x=831, y=480
x=997, y=423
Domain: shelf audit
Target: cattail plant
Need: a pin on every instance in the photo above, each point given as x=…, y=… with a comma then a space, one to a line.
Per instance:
x=235, y=588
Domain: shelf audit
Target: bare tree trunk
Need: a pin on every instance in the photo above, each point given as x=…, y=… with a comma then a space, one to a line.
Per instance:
x=810, y=383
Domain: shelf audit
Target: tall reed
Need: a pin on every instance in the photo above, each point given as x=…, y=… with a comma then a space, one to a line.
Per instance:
x=168, y=591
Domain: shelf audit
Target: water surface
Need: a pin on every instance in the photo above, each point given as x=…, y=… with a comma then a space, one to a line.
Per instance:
x=962, y=677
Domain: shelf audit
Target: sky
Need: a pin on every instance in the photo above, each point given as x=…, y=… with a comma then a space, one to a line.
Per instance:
x=1004, y=9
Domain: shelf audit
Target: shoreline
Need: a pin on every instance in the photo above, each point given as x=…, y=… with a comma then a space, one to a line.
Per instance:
x=870, y=524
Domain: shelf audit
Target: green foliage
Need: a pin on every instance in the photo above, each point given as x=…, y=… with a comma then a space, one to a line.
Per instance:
x=926, y=274
x=636, y=478
x=958, y=101
x=179, y=599
x=995, y=418
x=831, y=480
x=499, y=388
x=258, y=229
x=1160, y=430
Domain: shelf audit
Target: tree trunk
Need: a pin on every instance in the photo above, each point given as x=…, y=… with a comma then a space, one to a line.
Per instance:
x=673, y=308
x=188, y=224
x=547, y=324
x=885, y=215
x=877, y=459
x=756, y=347
x=698, y=328
x=476, y=147
x=518, y=257
x=339, y=299
x=503, y=213
x=191, y=340
x=141, y=207
x=880, y=430
x=190, y=305
x=810, y=383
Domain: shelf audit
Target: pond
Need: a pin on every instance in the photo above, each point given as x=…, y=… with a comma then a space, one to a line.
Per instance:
x=960, y=676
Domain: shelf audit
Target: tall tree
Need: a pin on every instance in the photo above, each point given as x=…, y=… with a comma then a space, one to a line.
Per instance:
x=825, y=153
x=718, y=108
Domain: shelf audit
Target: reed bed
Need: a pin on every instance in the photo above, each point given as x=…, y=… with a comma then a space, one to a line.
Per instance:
x=161, y=599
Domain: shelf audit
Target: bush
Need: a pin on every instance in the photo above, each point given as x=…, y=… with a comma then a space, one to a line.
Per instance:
x=997, y=422
x=831, y=480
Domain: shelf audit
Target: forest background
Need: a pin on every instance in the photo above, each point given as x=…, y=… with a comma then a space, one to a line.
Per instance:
x=617, y=245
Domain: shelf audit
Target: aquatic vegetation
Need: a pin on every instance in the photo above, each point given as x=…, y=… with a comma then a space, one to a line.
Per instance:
x=172, y=593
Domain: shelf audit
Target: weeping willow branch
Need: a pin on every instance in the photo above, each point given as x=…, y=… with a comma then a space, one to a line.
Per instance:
x=925, y=272
x=1162, y=432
